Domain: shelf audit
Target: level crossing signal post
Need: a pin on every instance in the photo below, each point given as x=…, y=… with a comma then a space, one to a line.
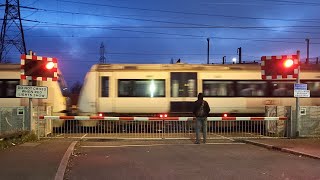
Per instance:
x=285, y=67
x=33, y=69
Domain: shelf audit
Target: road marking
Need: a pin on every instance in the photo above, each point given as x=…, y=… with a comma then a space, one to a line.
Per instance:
x=148, y=145
x=224, y=137
x=84, y=135
x=64, y=161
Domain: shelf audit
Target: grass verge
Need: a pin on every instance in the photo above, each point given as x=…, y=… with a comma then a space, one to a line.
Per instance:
x=12, y=139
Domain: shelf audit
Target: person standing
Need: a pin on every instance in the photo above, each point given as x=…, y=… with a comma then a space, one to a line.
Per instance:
x=201, y=111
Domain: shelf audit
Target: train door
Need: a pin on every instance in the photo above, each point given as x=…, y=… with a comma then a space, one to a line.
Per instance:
x=183, y=87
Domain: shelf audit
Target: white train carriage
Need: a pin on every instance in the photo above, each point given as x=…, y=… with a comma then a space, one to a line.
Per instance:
x=153, y=89
x=56, y=102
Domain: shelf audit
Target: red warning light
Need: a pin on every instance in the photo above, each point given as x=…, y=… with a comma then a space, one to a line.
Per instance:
x=49, y=65
x=163, y=115
x=225, y=115
x=288, y=63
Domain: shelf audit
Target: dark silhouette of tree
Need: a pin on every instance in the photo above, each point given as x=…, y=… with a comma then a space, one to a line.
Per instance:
x=76, y=88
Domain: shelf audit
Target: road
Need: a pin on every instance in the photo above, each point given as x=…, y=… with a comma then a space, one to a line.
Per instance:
x=178, y=159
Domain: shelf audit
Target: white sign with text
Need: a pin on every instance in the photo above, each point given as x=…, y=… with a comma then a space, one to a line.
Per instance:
x=38, y=92
x=301, y=93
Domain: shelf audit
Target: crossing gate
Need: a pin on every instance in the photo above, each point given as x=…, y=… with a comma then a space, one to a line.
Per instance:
x=86, y=127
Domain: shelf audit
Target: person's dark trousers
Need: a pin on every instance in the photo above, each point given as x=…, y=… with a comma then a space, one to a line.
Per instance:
x=201, y=123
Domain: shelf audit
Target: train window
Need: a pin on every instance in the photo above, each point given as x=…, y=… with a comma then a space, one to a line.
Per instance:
x=8, y=88
x=183, y=84
x=141, y=88
x=104, y=86
x=125, y=88
x=213, y=88
x=282, y=88
x=11, y=88
x=2, y=88
x=314, y=87
x=251, y=88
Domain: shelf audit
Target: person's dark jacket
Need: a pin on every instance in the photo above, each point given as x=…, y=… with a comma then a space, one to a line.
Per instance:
x=197, y=105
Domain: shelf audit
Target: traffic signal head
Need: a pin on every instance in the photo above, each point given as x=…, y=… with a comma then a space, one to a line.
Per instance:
x=39, y=68
x=288, y=63
x=279, y=67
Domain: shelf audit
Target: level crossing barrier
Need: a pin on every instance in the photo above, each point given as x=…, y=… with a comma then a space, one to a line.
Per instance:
x=165, y=127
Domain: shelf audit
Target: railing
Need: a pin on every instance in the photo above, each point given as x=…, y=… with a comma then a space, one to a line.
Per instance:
x=164, y=128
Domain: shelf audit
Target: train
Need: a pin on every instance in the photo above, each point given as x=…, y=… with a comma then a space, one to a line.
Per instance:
x=170, y=89
x=55, y=104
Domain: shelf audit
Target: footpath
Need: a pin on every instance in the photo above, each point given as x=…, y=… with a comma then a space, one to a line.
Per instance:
x=47, y=159
x=33, y=160
x=309, y=147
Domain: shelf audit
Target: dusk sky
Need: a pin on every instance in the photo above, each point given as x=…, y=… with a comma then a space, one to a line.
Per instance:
x=148, y=31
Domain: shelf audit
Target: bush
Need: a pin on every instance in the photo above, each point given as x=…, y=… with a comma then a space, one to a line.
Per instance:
x=11, y=139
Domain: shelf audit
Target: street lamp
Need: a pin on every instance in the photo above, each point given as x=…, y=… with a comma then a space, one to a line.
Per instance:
x=234, y=60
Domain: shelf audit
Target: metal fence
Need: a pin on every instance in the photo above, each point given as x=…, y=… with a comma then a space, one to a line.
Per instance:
x=166, y=128
x=14, y=119
x=309, y=125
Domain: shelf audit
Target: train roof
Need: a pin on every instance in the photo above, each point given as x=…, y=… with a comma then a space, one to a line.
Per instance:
x=10, y=67
x=15, y=67
x=193, y=67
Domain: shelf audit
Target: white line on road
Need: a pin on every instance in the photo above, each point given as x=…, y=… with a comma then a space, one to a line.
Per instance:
x=225, y=137
x=64, y=161
x=84, y=135
x=148, y=145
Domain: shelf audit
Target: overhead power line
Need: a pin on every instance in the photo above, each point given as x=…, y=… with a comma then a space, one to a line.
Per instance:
x=175, y=12
x=287, y=2
x=273, y=40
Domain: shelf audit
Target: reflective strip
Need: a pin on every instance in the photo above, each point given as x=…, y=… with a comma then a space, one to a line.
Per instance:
x=242, y=118
x=272, y=118
x=185, y=118
x=141, y=118
x=82, y=117
x=50, y=117
x=214, y=118
x=111, y=118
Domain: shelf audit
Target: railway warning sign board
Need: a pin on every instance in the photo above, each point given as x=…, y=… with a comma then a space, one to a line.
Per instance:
x=35, y=68
x=301, y=90
x=300, y=86
x=37, y=92
x=301, y=93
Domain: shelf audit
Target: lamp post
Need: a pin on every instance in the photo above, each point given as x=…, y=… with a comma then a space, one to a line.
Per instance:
x=208, y=39
x=297, y=98
x=234, y=60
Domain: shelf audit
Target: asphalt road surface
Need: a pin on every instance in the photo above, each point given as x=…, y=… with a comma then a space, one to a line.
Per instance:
x=157, y=160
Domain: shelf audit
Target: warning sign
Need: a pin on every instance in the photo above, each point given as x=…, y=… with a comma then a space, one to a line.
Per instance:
x=38, y=92
x=301, y=93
